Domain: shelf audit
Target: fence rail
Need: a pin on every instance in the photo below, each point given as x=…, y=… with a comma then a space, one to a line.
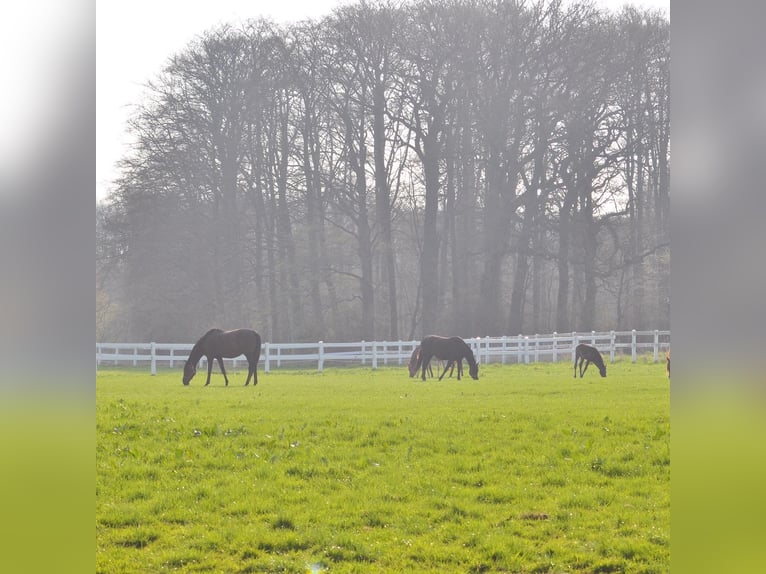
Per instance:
x=514, y=349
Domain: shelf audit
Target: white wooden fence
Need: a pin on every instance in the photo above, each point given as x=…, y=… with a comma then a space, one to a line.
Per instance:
x=518, y=349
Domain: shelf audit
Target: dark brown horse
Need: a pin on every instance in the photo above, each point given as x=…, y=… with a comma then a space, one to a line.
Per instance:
x=452, y=349
x=588, y=354
x=667, y=359
x=413, y=365
x=217, y=345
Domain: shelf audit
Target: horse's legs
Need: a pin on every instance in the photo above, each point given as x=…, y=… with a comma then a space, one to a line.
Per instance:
x=220, y=364
x=582, y=371
x=249, y=371
x=209, y=370
x=444, y=371
x=425, y=364
x=459, y=368
x=581, y=359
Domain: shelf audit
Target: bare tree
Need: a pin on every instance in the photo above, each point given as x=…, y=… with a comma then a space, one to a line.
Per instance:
x=426, y=45
x=440, y=164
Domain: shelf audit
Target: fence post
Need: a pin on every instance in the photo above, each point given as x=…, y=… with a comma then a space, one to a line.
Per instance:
x=537, y=348
x=555, y=352
x=656, y=345
x=505, y=347
x=400, y=351
x=321, y=355
x=364, y=353
x=633, y=345
x=526, y=350
x=154, y=359
x=135, y=356
x=266, y=358
x=593, y=338
x=575, y=340
x=374, y=355
x=171, y=357
x=519, y=347
x=611, y=346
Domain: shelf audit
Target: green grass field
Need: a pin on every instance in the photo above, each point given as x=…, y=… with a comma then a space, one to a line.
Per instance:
x=353, y=470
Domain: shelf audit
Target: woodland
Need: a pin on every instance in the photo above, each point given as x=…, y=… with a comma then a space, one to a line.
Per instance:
x=397, y=169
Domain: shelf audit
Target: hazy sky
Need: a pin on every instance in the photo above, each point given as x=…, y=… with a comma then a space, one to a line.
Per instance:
x=135, y=38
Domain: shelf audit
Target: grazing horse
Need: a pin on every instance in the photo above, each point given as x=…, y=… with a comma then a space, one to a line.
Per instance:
x=589, y=355
x=667, y=359
x=217, y=345
x=413, y=365
x=452, y=349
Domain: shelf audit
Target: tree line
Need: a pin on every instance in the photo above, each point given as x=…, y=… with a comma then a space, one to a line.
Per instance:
x=469, y=167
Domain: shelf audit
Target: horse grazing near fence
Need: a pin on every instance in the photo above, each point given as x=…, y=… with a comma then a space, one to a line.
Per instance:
x=667, y=364
x=413, y=365
x=452, y=349
x=588, y=354
x=217, y=345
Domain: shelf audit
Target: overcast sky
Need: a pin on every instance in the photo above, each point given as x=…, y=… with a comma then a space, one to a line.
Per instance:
x=135, y=38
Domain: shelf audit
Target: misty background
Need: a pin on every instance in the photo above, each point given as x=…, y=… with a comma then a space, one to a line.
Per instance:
x=395, y=170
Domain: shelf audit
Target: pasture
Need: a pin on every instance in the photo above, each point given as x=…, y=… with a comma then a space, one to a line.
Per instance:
x=526, y=470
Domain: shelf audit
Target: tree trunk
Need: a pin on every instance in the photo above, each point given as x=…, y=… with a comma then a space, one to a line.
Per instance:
x=496, y=229
x=429, y=260
x=562, y=263
x=314, y=329
x=383, y=208
x=590, y=248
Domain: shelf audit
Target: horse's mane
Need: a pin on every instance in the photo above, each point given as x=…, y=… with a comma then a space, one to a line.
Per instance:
x=206, y=336
x=470, y=359
x=210, y=332
x=195, y=353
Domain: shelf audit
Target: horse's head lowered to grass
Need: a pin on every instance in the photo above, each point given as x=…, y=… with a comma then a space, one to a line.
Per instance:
x=190, y=369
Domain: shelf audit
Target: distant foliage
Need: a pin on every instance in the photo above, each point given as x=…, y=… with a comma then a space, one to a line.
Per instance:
x=397, y=170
